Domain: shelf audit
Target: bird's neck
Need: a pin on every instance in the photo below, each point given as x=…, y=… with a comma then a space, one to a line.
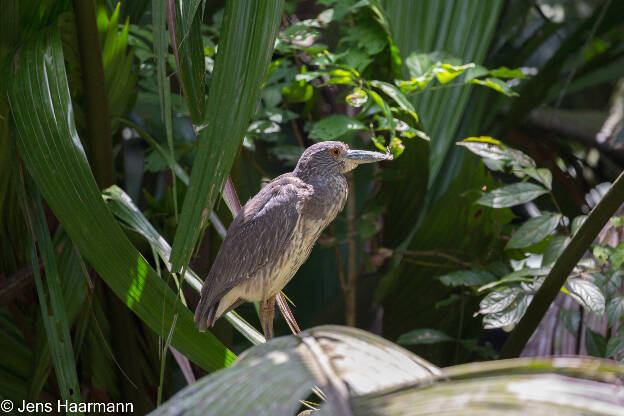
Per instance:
x=328, y=196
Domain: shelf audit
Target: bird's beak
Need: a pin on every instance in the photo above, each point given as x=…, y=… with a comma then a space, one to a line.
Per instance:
x=364, y=156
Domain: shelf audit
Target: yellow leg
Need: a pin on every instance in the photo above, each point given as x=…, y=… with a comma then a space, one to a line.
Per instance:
x=267, y=312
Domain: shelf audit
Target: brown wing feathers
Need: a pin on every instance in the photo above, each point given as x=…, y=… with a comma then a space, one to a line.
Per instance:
x=256, y=236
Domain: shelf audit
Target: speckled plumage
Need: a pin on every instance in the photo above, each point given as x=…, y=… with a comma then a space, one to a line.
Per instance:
x=275, y=231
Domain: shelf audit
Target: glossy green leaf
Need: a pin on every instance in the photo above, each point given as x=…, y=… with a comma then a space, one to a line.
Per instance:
x=554, y=249
x=486, y=147
x=534, y=230
x=511, y=195
x=524, y=275
x=473, y=277
x=595, y=343
x=394, y=93
x=245, y=48
x=543, y=176
x=509, y=316
x=615, y=346
x=334, y=127
x=587, y=294
x=423, y=336
x=53, y=154
x=577, y=222
x=496, y=84
x=615, y=309
x=498, y=300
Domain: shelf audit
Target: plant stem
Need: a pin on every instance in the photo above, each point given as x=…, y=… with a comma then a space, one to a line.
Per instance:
x=100, y=142
x=564, y=265
x=352, y=254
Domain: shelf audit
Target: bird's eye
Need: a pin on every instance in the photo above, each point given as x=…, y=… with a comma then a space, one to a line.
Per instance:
x=335, y=152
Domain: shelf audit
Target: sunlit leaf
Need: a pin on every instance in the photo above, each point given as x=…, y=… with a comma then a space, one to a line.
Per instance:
x=394, y=93
x=396, y=147
x=445, y=73
x=495, y=84
x=485, y=146
x=504, y=72
x=498, y=300
x=509, y=316
x=357, y=98
x=587, y=294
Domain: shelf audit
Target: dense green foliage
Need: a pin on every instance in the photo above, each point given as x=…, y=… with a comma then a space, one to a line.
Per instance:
x=122, y=122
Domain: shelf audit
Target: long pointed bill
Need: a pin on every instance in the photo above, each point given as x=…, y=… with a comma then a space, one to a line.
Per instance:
x=364, y=156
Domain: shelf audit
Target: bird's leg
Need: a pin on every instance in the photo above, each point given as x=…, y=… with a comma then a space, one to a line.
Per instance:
x=267, y=312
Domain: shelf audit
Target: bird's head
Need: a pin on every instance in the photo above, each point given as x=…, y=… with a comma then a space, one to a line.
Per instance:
x=335, y=158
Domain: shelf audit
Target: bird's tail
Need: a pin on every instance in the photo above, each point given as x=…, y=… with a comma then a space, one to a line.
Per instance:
x=205, y=314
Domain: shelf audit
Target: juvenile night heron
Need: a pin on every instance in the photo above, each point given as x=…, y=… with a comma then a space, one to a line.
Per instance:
x=275, y=231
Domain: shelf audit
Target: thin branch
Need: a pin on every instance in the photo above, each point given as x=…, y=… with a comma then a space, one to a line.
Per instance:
x=96, y=102
x=428, y=263
x=341, y=275
x=352, y=272
x=433, y=253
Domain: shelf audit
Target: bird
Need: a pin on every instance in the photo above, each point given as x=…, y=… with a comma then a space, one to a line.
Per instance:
x=273, y=234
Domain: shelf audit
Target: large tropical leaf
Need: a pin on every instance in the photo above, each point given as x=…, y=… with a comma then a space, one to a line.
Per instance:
x=269, y=379
x=362, y=374
x=52, y=303
x=245, y=47
x=188, y=51
x=53, y=154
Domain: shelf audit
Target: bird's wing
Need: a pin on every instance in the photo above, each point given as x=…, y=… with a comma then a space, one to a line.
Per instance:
x=258, y=235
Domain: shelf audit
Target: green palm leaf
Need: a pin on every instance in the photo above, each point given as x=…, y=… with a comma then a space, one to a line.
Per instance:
x=245, y=48
x=53, y=154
